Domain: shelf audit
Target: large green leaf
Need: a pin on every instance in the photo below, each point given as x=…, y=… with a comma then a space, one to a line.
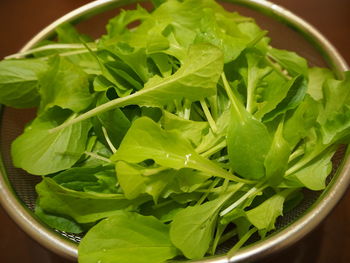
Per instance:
x=54, y=151
x=193, y=227
x=19, y=82
x=127, y=237
x=248, y=143
x=147, y=140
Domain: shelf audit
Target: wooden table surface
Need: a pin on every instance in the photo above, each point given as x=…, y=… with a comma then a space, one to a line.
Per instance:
x=329, y=243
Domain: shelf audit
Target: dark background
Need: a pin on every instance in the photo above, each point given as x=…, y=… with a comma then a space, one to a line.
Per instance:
x=329, y=243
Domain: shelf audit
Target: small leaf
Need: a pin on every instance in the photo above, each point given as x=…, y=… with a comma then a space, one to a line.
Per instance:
x=264, y=216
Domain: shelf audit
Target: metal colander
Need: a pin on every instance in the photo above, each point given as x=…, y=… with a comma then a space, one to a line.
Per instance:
x=17, y=188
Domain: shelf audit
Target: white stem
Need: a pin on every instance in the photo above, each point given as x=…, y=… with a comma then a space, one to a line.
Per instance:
x=47, y=47
x=238, y=202
x=210, y=119
x=110, y=144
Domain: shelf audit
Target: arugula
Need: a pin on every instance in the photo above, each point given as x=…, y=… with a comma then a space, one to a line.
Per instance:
x=141, y=239
x=179, y=129
x=19, y=86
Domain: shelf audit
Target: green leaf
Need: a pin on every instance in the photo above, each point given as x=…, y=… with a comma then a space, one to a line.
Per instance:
x=135, y=58
x=147, y=140
x=82, y=207
x=335, y=115
x=100, y=179
x=64, y=85
x=313, y=176
x=298, y=125
x=54, y=151
x=162, y=61
x=212, y=139
x=115, y=123
x=19, y=82
x=210, y=31
x=118, y=25
x=193, y=227
x=136, y=180
x=191, y=130
x=248, y=143
x=270, y=96
x=296, y=92
x=317, y=77
x=165, y=211
x=253, y=75
x=127, y=237
x=58, y=222
x=199, y=73
x=124, y=77
x=264, y=216
x=276, y=161
x=292, y=62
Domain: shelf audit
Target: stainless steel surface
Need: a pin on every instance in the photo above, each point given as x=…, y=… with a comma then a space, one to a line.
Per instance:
x=285, y=237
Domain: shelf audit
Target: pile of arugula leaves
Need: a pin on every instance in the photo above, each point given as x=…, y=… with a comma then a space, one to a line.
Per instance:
x=171, y=137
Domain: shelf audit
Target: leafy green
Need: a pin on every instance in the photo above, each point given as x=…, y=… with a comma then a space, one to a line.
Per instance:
x=292, y=62
x=263, y=217
x=140, y=239
x=193, y=228
x=64, y=85
x=83, y=207
x=19, y=82
x=248, y=142
x=334, y=116
x=54, y=151
x=170, y=149
x=177, y=130
x=58, y=222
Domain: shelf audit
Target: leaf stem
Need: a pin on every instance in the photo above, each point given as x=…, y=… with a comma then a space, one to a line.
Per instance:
x=152, y=171
x=211, y=187
x=99, y=109
x=187, y=109
x=276, y=68
x=222, y=158
x=47, y=47
x=251, y=192
x=241, y=242
x=257, y=38
x=296, y=154
x=309, y=158
x=214, y=149
x=207, y=113
x=98, y=157
x=110, y=144
x=230, y=95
